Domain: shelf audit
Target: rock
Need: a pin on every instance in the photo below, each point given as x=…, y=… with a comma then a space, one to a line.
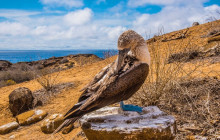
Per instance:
x=52, y=123
x=195, y=137
x=81, y=134
x=195, y=24
x=12, y=137
x=64, y=60
x=39, y=66
x=49, y=62
x=30, y=117
x=110, y=123
x=213, y=38
x=4, y=65
x=20, y=100
x=4, y=129
x=68, y=129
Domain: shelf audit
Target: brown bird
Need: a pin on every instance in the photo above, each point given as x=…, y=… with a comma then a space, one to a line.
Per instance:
x=116, y=82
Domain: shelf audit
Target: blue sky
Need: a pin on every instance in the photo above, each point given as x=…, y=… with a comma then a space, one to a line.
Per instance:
x=93, y=24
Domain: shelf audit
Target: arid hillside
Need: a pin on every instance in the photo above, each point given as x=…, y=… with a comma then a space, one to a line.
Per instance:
x=12, y=73
x=184, y=81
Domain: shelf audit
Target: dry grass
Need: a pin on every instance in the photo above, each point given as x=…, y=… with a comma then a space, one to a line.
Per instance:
x=180, y=89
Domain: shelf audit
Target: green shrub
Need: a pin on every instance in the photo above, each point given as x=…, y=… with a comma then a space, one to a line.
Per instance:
x=10, y=82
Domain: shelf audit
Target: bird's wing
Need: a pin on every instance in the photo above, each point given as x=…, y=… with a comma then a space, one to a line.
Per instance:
x=117, y=88
x=103, y=76
x=90, y=88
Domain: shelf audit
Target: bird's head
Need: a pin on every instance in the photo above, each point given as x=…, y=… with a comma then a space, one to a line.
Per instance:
x=133, y=44
x=129, y=40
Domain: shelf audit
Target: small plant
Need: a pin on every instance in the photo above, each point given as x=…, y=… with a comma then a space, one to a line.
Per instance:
x=46, y=79
x=10, y=82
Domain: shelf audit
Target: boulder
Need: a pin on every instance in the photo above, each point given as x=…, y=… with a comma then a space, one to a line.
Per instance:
x=49, y=62
x=52, y=123
x=20, y=100
x=4, y=65
x=64, y=60
x=30, y=117
x=4, y=129
x=195, y=24
x=111, y=123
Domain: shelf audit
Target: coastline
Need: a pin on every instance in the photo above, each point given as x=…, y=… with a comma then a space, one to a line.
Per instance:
x=14, y=56
x=43, y=63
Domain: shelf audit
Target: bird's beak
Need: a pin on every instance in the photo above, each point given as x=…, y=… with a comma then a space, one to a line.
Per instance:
x=121, y=56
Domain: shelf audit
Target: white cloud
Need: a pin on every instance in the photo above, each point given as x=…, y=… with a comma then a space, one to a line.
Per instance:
x=12, y=28
x=76, y=29
x=212, y=8
x=16, y=13
x=142, y=19
x=115, y=32
x=63, y=3
x=78, y=17
x=173, y=17
x=84, y=29
x=137, y=3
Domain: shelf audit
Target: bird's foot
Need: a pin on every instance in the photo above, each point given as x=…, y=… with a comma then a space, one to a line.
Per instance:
x=130, y=107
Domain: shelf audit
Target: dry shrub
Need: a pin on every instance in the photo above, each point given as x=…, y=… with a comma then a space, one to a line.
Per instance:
x=42, y=96
x=18, y=76
x=162, y=75
x=169, y=86
x=22, y=72
x=109, y=56
x=109, y=53
x=46, y=79
x=18, y=73
x=213, y=30
x=3, y=83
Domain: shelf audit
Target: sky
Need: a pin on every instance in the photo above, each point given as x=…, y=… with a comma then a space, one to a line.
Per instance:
x=94, y=24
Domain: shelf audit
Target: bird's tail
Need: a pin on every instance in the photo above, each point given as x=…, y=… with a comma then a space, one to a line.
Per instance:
x=75, y=107
x=64, y=124
x=70, y=117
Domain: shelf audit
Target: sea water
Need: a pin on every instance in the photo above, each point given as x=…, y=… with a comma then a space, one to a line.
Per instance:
x=15, y=56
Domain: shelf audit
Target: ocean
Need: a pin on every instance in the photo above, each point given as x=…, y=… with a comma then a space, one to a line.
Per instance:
x=15, y=56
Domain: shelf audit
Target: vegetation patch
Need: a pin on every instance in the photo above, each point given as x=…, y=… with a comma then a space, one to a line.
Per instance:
x=194, y=55
x=11, y=74
x=42, y=96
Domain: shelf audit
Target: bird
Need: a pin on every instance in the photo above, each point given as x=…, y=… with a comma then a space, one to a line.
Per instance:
x=116, y=82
